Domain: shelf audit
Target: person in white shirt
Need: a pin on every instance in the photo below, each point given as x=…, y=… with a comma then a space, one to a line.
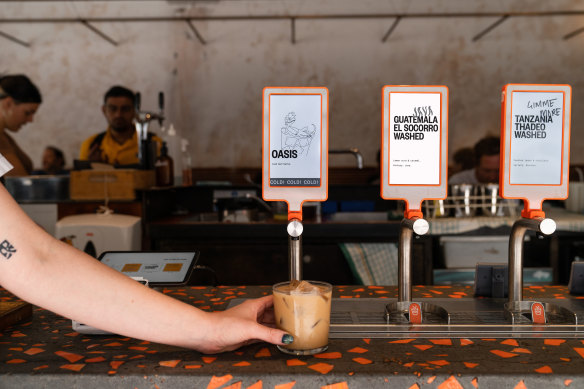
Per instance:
x=54, y=275
x=486, y=169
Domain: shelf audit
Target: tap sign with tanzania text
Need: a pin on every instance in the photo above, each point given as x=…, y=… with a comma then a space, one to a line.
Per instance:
x=414, y=134
x=295, y=145
x=535, y=144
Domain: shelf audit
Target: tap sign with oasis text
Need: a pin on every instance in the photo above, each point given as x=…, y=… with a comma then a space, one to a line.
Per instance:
x=414, y=143
x=295, y=144
x=535, y=140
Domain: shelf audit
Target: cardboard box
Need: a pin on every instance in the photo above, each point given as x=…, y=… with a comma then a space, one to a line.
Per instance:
x=117, y=184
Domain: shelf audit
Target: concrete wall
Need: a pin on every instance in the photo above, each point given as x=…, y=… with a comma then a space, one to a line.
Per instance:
x=213, y=91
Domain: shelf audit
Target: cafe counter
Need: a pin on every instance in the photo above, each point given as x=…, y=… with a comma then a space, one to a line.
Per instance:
x=48, y=353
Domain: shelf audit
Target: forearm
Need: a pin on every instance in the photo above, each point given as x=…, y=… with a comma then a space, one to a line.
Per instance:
x=58, y=277
x=55, y=276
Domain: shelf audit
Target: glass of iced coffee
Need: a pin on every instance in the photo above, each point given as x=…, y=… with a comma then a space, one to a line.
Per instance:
x=303, y=309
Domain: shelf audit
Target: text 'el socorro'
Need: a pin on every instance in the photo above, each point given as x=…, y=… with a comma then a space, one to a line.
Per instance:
x=413, y=127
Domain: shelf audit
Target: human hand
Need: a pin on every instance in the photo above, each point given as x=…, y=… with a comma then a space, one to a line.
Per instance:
x=247, y=323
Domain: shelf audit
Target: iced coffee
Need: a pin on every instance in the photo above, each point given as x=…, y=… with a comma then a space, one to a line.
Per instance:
x=303, y=309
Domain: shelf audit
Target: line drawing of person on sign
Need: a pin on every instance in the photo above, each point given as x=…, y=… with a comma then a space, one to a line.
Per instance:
x=294, y=138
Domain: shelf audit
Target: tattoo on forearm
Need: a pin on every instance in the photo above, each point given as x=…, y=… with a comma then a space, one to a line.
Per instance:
x=7, y=249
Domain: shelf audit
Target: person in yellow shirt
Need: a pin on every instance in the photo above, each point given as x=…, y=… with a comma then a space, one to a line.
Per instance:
x=119, y=144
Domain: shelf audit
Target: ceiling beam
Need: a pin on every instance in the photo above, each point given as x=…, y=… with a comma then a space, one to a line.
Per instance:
x=98, y=32
x=573, y=33
x=288, y=17
x=391, y=28
x=196, y=32
x=490, y=28
x=14, y=39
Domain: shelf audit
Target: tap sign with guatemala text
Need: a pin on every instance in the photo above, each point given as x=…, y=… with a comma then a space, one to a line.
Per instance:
x=535, y=139
x=295, y=145
x=414, y=143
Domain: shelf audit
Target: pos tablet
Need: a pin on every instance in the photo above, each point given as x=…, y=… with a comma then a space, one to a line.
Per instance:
x=149, y=268
x=164, y=268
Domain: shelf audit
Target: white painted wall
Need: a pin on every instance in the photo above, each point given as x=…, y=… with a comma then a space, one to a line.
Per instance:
x=213, y=91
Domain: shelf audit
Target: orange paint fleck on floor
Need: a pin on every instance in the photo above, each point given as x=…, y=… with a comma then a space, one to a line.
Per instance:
x=450, y=383
x=242, y=364
x=264, y=352
x=503, y=354
x=579, y=350
x=423, y=346
x=440, y=362
x=193, y=366
x=295, y=362
x=138, y=348
x=217, y=382
x=208, y=359
x=322, y=368
x=414, y=386
x=431, y=379
x=33, y=351
x=465, y=342
x=369, y=341
x=340, y=385
x=409, y=364
x=358, y=350
x=288, y=385
x=475, y=383
x=95, y=360
x=553, y=342
x=565, y=359
x=15, y=361
x=41, y=367
x=544, y=370
x=521, y=350
x=510, y=342
x=170, y=363
x=116, y=364
x=72, y=358
x=362, y=361
x=401, y=341
x=443, y=342
x=114, y=344
x=520, y=385
x=73, y=367
x=470, y=365
x=331, y=355
x=567, y=382
x=257, y=385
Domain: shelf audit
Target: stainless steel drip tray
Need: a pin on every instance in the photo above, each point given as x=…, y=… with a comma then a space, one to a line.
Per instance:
x=468, y=318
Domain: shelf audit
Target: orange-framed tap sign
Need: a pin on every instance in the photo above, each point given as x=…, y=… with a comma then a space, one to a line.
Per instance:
x=295, y=146
x=414, y=144
x=535, y=144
